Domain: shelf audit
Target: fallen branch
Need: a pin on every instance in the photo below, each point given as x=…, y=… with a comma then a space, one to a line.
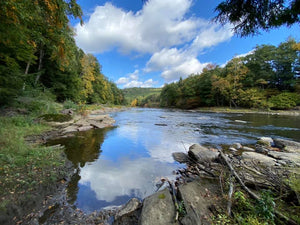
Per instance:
x=174, y=200
x=230, y=192
x=253, y=195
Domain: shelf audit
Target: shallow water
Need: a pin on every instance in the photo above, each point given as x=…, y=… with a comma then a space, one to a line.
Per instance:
x=116, y=164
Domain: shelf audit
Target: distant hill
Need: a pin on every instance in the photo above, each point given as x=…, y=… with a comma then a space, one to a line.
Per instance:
x=139, y=93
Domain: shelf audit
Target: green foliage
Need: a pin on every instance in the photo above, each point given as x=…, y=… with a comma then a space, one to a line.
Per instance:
x=139, y=93
x=248, y=18
x=37, y=49
x=221, y=219
x=249, y=82
x=284, y=100
x=56, y=117
x=181, y=209
x=69, y=104
x=265, y=207
x=247, y=211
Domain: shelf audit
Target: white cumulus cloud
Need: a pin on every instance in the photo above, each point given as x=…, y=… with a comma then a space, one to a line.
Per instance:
x=162, y=29
x=132, y=80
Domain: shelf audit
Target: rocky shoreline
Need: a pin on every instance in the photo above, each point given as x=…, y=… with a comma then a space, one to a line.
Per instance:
x=195, y=197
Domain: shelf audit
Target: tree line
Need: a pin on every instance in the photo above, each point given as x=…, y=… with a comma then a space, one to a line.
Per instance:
x=38, y=51
x=266, y=78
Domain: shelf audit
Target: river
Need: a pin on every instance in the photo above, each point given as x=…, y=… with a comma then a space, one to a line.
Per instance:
x=127, y=160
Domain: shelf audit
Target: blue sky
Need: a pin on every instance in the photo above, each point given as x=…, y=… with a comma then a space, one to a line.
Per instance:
x=148, y=45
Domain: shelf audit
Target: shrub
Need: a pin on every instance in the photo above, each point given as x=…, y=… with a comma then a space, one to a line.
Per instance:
x=285, y=100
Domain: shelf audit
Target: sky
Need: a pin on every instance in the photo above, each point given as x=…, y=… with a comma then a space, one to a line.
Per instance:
x=150, y=44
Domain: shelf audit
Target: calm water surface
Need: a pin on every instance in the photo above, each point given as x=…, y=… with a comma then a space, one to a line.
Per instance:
x=116, y=164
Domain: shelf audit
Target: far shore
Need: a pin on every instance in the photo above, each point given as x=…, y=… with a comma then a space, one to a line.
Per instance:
x=294, y=112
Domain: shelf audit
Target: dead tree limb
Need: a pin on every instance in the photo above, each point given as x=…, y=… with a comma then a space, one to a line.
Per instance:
x=252, y=195
x=230, y=192
x=174, y=200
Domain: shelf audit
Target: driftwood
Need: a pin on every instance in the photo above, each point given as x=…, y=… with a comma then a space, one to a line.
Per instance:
x=174, y=200
x=252, y=195
x=230, y=192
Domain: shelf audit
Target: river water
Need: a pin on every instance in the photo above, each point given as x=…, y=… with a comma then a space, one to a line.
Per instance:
x=125, y=161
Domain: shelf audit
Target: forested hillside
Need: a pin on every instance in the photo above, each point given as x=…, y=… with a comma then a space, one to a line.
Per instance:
x=142, y=96
x=38, y=52
x=267, y=78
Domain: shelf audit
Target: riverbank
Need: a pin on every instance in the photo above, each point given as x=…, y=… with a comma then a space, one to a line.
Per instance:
x=243, y=186
x=33, y=177
x=294, y=112
x=56, y=209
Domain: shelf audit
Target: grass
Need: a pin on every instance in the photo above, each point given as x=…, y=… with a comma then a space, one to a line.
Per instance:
x=23, y=167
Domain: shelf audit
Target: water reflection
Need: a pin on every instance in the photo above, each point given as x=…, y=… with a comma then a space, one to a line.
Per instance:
x=115, y=164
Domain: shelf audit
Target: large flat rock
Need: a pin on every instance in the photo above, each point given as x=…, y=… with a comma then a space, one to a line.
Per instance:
x=287, y=145
x=258, y=158
x=286, y=158
x=158, y=209
x=198, y=196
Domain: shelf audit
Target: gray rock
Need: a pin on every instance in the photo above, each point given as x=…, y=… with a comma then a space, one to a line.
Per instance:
x=232, y=149
x=197, y=198
x=202, y=154
x=286, y=158
x=266, y=141
x=245, y=148
x=69, y=129
x=158, y=209
x=261, y=149
x=237, y=146
x=258, y=158
x=84, y=128
x=129, y=213
x=288, y=146
x=67, y=111
x=180, y=157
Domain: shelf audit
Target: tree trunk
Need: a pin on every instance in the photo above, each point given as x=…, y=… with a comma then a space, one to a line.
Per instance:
x=40, y=65
x=27, y=67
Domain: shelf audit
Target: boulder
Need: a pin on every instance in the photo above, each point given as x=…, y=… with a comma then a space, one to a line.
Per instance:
x=287, y=146
x=258, y=158
x=129, y=213
x=180, y=157
x=67, y=111
x=198, y=196
x=265, y=141
x=232, y=149
x=261, y=149
x=158, y=209
x=237, y=146
x=245, y=148
x=286, y=158
x=85, y=128
x=202, y=154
